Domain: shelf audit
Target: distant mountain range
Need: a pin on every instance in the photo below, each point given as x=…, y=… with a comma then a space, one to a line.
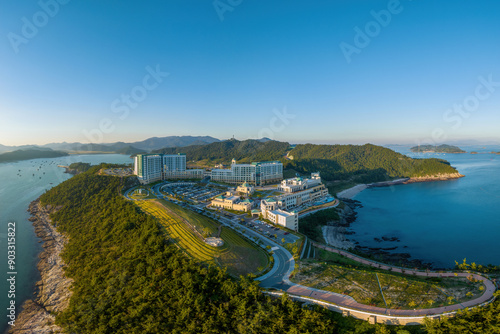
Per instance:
x=147, y=145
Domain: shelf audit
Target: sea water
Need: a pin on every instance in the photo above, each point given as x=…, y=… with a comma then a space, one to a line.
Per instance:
x=439, y=222
x=20, y=183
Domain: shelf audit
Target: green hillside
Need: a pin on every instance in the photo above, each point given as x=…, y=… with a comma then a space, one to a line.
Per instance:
x=359, y=163
x=222, y=152
x=129, y=279
x=29, y=154
x=340, y=162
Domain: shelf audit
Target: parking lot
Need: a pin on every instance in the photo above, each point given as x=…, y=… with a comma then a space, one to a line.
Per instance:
x=191, y=191
x=270, y=230
x=118, y=171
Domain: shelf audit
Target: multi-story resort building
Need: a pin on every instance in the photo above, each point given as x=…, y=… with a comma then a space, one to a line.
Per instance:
x=295, y=192
x=256, y=173
x=298, y=191
x=155, y=167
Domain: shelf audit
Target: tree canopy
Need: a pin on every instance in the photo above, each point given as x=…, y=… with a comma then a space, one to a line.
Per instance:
x=129, y=279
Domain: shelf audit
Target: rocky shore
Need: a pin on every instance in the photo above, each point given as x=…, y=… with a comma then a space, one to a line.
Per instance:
x=437, y=177
x=339, y=236
x=53, y=290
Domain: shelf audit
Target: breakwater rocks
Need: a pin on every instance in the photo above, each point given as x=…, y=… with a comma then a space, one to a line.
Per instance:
x=53, y=290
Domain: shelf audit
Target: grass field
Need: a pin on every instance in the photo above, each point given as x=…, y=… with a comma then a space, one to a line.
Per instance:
x=333, y=272
x=238, y=255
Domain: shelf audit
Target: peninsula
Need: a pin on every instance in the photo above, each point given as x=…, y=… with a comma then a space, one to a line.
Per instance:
x=28, y=154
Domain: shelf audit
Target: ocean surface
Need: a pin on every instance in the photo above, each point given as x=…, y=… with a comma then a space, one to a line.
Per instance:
x=20, y=183
x=439, y=222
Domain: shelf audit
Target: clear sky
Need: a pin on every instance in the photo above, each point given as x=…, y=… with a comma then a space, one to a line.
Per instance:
x=340, y=71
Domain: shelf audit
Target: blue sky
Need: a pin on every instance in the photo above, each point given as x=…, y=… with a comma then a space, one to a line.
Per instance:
x=82, y=75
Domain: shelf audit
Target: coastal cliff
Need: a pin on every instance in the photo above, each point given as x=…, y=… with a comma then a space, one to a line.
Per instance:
x=53, y=290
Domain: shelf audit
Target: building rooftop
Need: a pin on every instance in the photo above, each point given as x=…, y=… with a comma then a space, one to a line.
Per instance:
x=280, y=212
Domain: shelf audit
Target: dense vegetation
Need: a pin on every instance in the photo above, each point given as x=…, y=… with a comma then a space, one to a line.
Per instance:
x=130, y=150
x=79, y=167
x=437, y=149
x=477, y=320
x=29, y=154
x=128, y=279
x=223, y=152
x=367, y=163
x=312, y=225
x=358, y=163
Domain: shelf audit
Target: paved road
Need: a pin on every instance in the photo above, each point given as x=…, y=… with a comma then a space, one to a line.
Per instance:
x=278, y=278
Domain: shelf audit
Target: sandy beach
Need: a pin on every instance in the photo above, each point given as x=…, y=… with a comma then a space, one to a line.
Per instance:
x=351, y=192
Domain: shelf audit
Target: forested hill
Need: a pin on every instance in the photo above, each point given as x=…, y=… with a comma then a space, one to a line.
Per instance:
x=365, y=163
x=29, y=154
x=129, y=279
x=437, y=149
x=223, y=152
x=374, y=162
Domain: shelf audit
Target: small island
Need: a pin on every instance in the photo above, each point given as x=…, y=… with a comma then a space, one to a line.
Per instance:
x=436, y=149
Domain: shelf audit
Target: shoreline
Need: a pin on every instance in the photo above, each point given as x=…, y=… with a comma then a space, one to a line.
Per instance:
x=336, y=235
x=353, y=191
x=52, y=292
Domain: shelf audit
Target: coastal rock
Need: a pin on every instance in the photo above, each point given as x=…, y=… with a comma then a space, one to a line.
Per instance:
x=437, y=177
x=53, y=290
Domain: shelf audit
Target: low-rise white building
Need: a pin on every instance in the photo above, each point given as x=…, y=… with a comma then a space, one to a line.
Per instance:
x=231, y=202
x=286, y=219
x=246, y=189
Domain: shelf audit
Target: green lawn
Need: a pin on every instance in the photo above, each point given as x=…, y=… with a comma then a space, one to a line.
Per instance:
x=239, y=255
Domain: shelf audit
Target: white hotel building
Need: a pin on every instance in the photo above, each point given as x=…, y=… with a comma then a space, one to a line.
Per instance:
x=298, y=191
x=155, y=167
x=257, y=173
x=295, y=192
x=270, y=210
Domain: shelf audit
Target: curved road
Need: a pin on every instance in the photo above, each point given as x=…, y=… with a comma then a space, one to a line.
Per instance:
x=284, y=264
